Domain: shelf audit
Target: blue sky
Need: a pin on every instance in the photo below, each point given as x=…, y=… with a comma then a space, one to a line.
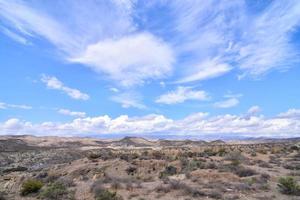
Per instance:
x=183, y=68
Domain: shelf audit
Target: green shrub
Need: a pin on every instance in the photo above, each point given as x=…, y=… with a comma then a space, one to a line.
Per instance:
x=222, y=152
x=289, y=186
x=31, y=186
x=106, y=195
x=54, y=191
x=101, y=193
x=169, y=171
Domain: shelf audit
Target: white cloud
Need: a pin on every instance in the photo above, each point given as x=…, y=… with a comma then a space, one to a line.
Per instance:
x=228, y=103
x=206, y=70
x=129, y=99
x=129, y=60
x=197, y=124
x=55, y=84
x=253, y=110
x=232, y=100
x=182, y=94
x=107, y=46
x=8, y=106
x=116, y=90
x=72, y=113
x=291, y=113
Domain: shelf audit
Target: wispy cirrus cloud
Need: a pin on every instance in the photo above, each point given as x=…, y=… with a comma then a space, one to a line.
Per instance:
x=182, y=94
x=228, y=103
x=206, y=70
x=129, y=100
x=55, y=84
x=254, y=42
x=231, y=100
x=71, y=113
x=16, y=37
x=14, y=106
x=203, y=40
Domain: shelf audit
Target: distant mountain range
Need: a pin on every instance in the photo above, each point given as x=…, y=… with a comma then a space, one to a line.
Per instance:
x=27, y=142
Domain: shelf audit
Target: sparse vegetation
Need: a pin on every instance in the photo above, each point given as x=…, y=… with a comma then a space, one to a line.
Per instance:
x=55, y=191
x=100, y=193
x=168, y=172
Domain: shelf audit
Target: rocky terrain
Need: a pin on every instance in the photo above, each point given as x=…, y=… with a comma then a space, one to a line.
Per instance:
x=137, y=168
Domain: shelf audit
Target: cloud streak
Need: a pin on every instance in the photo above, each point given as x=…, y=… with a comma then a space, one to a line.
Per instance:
x=55, y=84
x=71, y=113
x=182, y=94
x=14, y=106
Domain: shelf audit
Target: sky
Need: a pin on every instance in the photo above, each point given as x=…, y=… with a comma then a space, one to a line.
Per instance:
x=158, y=68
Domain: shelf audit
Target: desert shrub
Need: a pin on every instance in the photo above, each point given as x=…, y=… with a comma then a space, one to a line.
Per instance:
x=131, y=170
x=253, y=154
x=235, y=157
x=295, y=148
x=93, y=155
x=169, y=171
x=289, y=186
x=184, y=162
x=244, y=172
x=209, y=152
x=31, y=186
x=222, y=152
x=262, y=151
x=264, y=165
x=292, y=166
x=188, y=190
x=55, y=191
x=66, y=181
x=107, y=195
x=158, y=155
x=265, y=177
x=101, y=193
x=211, y=165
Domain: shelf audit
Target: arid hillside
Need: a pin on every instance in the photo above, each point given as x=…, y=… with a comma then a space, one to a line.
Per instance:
x=137, y=168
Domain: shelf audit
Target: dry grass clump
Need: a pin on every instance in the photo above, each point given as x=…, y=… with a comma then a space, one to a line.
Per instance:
x=235, y=157
x=264, y=164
